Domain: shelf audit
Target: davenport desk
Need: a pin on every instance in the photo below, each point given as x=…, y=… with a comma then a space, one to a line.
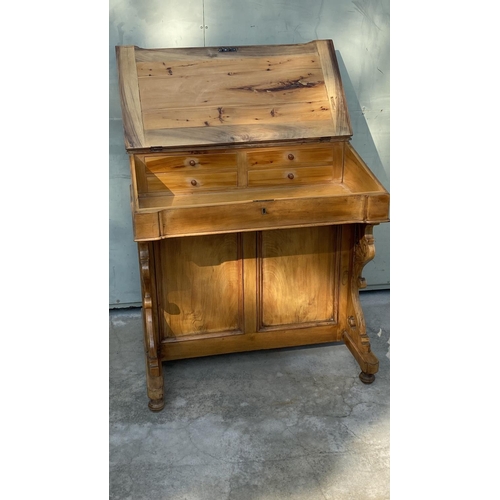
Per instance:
x=252, y=211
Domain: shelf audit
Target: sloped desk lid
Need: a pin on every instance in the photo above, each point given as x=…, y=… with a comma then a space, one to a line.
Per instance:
x=230, y=95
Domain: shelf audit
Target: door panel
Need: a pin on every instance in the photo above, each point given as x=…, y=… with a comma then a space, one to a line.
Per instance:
x=298, y=270
x=200, y=286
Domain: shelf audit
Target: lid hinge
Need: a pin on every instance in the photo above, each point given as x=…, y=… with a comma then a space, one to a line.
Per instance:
x=156, y=149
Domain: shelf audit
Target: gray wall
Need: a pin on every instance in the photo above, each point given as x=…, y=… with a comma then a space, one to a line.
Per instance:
x=360, y=32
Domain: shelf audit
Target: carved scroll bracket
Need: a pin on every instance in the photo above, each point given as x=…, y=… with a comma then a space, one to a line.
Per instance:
x=354, y=334
x=154, y=374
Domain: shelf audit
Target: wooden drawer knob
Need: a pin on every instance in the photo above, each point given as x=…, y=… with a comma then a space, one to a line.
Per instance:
x=290, y=156
x=193, y=182
x=291, y=176
x=192, y=163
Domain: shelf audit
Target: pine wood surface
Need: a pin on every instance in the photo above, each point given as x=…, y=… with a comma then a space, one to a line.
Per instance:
x=214, y=191
x=190, y=267
x=200, y=96
x=262, y=215
x=297, y=276
x=282, y=273
x=155, y=201
x=220, y=286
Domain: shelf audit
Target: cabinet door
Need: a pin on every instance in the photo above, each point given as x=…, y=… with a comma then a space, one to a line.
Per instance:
x=238, y=292
x=200, y=286
x=298, y=275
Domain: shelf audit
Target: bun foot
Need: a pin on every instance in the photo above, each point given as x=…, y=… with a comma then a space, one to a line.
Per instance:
x=156, y=404
x=366, y=378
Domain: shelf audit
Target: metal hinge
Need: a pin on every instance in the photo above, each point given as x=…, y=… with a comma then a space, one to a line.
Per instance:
x=156, y=149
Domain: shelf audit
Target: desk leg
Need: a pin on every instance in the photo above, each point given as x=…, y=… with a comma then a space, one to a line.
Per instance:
x=354, y=335
x=154, y=372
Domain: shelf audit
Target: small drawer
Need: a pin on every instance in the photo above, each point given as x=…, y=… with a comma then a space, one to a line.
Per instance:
x=198, y=160
x=290, y=176
x=290, y=156
x=191, y=181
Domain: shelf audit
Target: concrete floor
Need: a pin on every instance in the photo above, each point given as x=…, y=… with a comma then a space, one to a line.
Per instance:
x=270, y=425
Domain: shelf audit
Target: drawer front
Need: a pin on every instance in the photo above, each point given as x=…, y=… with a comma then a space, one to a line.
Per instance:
x=190, y=173
x=193, y=171
x=292, y=156
x=191, y=181
x=194, y=160
x=290, y=176
x=258, y=215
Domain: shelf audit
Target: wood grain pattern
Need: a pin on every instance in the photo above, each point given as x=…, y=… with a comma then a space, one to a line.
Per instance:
x=354, y=333
x=252, y=341
x=301, y=183
x=251, y=216
x=226, y=64
x=220, y=89
x=201, y=286
x=297, y=276
x=154, y=369
x=251, y=288
x=345, y=256
x=130, y=98
x=234, y=198
x=138, y=175
x=338, y=161
x=273, y=112
x=286, y=176
x=357, y=175
x=335, y=89
x=233, y=134
x=242, y=169
x=201, y=160
x=146, y=226
x=192, y=181
x=134, y=191
x=291, y=156
x=178, y=97
x=377, y=208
